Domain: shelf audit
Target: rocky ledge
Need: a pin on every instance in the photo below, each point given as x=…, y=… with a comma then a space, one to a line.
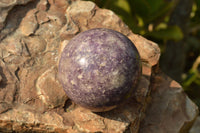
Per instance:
x=32, y=36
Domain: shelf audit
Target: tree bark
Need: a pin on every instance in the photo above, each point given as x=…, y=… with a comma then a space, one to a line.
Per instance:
x=173, y=59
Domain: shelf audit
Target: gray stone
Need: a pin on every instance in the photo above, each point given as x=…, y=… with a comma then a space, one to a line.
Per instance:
x=170, y=110
x=196, y=127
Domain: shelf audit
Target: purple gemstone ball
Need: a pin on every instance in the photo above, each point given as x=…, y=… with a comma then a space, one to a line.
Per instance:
x=99, y=69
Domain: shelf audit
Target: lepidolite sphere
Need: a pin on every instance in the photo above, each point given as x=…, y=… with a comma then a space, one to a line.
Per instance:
x=99, y=69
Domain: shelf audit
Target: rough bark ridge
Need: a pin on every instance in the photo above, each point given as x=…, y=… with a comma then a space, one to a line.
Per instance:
x=33, y=34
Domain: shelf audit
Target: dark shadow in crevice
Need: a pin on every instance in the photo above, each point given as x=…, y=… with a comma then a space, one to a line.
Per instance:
x=69, y=105
x=14, y=18
x=4, y=80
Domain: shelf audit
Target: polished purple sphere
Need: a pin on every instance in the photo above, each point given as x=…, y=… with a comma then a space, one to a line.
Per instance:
x=99, y=69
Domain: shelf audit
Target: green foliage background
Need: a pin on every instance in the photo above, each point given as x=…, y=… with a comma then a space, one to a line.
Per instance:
x=167, y=22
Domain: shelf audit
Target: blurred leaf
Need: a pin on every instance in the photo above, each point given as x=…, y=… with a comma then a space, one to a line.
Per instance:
x=197, y=3
x=123, y=10
x=171, y=32
x=196, y=12
x=191, y=77
x=100, y=3
x=194, y=43
x=123, y=4
x=150, y=10
x=161, y=26
x=197, y=81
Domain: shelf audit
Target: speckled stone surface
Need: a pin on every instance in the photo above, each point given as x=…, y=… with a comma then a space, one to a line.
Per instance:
x=99, y=68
